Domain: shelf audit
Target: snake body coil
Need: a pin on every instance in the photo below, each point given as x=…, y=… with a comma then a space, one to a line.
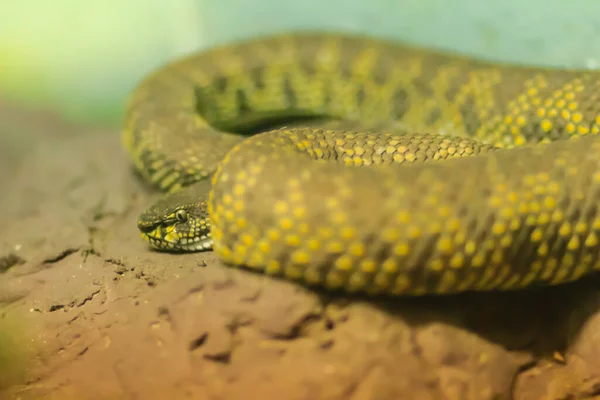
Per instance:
x=486, y=176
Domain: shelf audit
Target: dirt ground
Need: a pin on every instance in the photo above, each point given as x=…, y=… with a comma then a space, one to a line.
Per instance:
x=88, y=312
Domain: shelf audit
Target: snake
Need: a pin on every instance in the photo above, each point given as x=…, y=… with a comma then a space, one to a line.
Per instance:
x=366, y=165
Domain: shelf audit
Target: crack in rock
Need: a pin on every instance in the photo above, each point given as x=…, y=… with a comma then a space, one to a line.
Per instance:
x=114, y=261
x=150, y=280
x=10, y=260
x=198, y=342
x=61, y=255
x=89, y=298
x=296, y=330
x=74, y=303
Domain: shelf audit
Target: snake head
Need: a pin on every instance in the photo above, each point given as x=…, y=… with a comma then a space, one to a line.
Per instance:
x=178, y=222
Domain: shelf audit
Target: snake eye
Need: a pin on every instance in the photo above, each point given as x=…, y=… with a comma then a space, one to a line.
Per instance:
x=181, y=215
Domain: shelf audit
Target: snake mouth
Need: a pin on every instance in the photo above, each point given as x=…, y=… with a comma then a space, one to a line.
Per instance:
x=199, y=243
x=172, y=243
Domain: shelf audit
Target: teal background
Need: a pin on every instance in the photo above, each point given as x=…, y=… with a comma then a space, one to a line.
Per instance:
x=81, y=59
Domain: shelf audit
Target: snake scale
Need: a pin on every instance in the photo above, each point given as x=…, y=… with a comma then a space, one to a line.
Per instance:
x=477, y=175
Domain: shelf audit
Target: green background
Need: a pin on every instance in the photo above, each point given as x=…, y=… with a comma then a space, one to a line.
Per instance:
x=81, y=59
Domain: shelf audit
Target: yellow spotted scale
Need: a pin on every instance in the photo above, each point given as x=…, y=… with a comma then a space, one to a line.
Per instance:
x=403, y=171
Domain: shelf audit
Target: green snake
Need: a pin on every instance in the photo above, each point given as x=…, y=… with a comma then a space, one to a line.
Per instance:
x=473, y=175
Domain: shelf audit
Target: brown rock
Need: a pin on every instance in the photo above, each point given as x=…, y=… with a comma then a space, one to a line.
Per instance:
x=102, y=317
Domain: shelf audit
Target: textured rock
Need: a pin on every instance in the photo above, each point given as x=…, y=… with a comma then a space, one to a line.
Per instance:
x=102, y=317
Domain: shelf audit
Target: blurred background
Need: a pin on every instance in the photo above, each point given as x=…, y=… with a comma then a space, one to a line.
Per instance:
x=81, y=59
x=77, y=61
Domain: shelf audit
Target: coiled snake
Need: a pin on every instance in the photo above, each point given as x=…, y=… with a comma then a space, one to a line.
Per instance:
x=473, y=176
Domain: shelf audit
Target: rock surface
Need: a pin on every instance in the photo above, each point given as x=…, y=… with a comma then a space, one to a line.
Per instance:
x=99, y=316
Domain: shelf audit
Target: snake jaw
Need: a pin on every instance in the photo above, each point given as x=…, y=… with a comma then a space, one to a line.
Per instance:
x=183, y=245
x=175, y=238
